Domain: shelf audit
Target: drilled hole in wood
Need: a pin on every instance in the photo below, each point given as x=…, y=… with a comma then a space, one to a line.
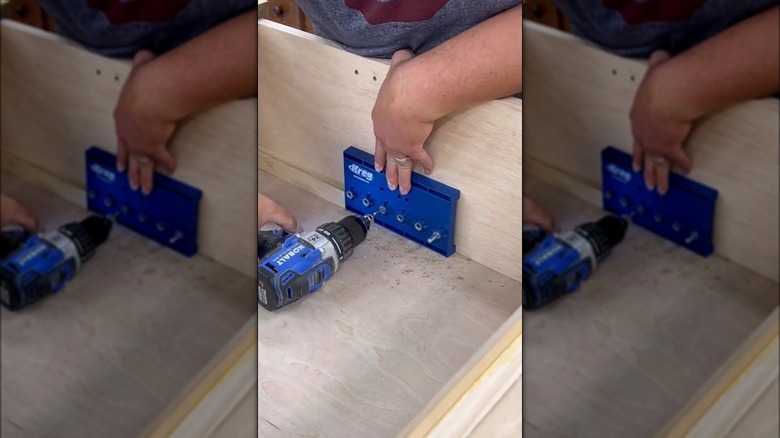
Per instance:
x=356, y=72
x=374, y=78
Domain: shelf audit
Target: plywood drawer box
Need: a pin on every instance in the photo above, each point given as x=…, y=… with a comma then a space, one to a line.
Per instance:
x=386, y=351
x=127, y=335
x=403, y=342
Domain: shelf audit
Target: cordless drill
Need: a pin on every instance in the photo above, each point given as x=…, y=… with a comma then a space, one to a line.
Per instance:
x=556, y=265
x=290, y=266
x=34, y=266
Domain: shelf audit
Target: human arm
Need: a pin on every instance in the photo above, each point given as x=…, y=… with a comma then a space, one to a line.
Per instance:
x=736, y=65
x=480, y=64
x=215, y=67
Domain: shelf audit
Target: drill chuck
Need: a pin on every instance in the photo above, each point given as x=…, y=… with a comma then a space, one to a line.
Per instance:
x=87, y=235
x=603, y=235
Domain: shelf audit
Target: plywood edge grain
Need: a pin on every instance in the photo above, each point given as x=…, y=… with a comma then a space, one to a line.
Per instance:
x=475, y=388
x=577, y=100
x=218, y=388
x=727, y=396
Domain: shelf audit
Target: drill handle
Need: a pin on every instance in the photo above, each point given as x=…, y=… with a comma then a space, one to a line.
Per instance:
x=267, y=241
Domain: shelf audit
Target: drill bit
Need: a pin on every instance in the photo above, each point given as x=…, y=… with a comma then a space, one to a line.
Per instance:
x=372, y=216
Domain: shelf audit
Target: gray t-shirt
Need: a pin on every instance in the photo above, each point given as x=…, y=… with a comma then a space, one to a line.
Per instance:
x=120, y=28
x=378, y=28
x=636, y=28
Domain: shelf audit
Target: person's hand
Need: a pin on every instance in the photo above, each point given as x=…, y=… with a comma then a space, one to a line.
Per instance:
x=400, y=129
x=143, y=129
x=535, y=214
x=12, y=212
x=269, y=212
x=659, y=126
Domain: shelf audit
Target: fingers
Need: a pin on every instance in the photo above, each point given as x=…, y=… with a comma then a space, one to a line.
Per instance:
x=657, y=57
x=146, y=175
x=26, y=219
x=401, y=56
x=638, y=157
x=649, y=171
x=286, y=220
x=535, y=214
x=380, y=156
x=391, y=172
x=682, y=159
x=421, y=156
x=269, y=211
x=141, y=57
x=12, y=212
x=405, y=175
x=662, y=177
x=121, y=156
x=166, y=159
x=133, y=172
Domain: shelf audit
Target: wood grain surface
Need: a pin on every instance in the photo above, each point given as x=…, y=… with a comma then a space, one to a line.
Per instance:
x=58, y=100
x=471, y=393
x=734, y=390
x=316, y=100
x=577, y=100
x=108, y=353
x=638, y=339
x=364, y=354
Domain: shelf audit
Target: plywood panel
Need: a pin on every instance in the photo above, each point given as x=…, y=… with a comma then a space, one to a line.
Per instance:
x=577, y=100
x=731, y=392
x=468, y=397
x=362, y=356
x=317, y=101
x=58, y=100
x=107, y=354
x=638, y=339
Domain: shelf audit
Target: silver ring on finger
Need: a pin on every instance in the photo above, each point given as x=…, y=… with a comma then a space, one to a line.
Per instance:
x=659, y=161
x=403, y=162
x=142, y=161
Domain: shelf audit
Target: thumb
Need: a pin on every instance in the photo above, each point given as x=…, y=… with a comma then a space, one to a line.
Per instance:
x=400, y=57
x=658, y=57
x=286, y=220
x=166, y=159
x=533, y=213
x=424, y=159
x=142, y=57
